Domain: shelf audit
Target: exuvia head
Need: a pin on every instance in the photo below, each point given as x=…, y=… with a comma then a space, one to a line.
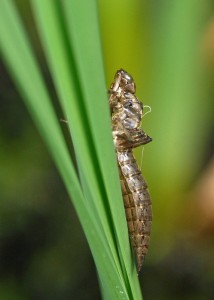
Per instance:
x=125, y=80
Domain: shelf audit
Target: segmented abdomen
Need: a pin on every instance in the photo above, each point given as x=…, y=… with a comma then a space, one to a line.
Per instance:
x=137, y=204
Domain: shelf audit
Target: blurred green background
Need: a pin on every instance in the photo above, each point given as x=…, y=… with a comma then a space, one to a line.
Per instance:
x=168, y=47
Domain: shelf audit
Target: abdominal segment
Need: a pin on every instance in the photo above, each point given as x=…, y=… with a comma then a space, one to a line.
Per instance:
x=137, y=204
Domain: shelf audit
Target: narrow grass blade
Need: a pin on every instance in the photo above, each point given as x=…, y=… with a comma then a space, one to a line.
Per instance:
x=50, y=26
x=90, y=62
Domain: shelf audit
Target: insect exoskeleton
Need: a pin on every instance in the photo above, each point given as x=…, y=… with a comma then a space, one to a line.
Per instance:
x=127, y=113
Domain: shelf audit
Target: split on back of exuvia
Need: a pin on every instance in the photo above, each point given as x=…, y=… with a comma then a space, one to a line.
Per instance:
x=126, y=115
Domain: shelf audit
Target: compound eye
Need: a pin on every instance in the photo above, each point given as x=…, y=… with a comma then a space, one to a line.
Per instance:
x=128, y=77
x=130, y=87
